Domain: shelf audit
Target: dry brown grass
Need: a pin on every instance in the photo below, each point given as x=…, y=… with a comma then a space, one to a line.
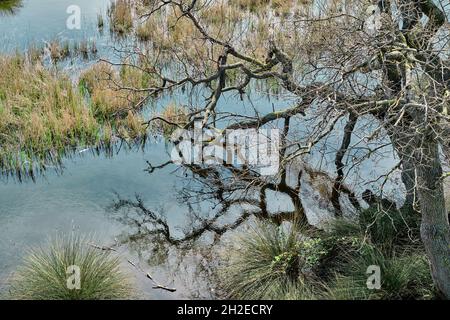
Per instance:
x=41, y=114
x=44, y=117
x=121, y=17
x=58, y=50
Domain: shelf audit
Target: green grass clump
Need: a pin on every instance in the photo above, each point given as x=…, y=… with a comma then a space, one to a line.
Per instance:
x=405, y=275
x=117, y=109
x=44, y=273
x=9, y=6
x=274, y=263
x=269, y=261
x=387, y=238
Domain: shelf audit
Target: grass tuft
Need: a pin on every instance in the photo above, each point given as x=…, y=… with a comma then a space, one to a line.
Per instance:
x=9, y=6
x=268, y=261
x=44, y=276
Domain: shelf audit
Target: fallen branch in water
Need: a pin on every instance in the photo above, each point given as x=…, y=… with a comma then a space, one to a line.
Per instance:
x=148, y=275
x=103, y=248
x=156, y=285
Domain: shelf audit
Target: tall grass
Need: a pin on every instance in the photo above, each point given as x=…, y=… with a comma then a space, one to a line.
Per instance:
x=405, y=275
x=100, y=21
x=385, y=238
x=41, y=114
x=44, y=276
x=113, y=106
x=59, y=51
x=173, y=113
x=44, y=117
x=121, y=18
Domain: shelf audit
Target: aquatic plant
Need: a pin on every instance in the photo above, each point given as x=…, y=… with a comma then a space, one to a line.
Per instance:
x=34, y=53
x=120, y=14
x=43, y=117
x=59, y=51
x=100, y=21
x=46, y=272
x=175, y=114
x=84, y=48
x=145, y=30
x=103, y=83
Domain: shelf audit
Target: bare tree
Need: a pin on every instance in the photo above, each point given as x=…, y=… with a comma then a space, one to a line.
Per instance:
x=383, y=62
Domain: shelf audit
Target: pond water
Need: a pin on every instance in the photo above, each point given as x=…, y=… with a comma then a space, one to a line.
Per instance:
x=33, y=22
x=79, y=197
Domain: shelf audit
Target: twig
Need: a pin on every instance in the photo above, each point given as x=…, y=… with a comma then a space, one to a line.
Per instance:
x=102, y=247
x=148, y=275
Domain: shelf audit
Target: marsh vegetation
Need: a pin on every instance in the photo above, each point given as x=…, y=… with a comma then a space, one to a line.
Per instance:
x=44, y=116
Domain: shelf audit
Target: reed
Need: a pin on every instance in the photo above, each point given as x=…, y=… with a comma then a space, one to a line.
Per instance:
x=43, y=117
x=121, y=18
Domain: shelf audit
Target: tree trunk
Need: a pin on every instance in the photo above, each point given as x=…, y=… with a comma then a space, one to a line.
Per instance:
x=435, y=229
x=409, y=180
x=405, y=147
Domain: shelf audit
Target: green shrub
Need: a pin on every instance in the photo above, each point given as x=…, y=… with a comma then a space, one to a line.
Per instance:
x=44, y=273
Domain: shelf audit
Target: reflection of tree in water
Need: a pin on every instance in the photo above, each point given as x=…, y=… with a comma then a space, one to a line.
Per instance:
x=10, y=6
x=227, y=188
x=235, y=197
